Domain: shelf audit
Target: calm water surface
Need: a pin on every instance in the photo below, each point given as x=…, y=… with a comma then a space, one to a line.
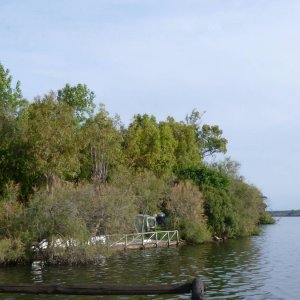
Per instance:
x=261, y=267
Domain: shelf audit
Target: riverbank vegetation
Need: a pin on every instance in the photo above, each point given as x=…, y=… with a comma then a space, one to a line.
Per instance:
x=70, y=171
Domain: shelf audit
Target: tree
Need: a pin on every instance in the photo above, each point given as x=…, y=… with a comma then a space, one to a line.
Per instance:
x=167, y=160
x=79, y=98
x=211, y=141
x=209, y=137
x=11, y=99
x=228, y=167
x=186, y=148
x=149, y=191
x=52, y=137
x=218, y=204
x=220, y=211
x=204, y=176
x=248, y=204
x=142, y=143
x=12, y=147
x=102, y=146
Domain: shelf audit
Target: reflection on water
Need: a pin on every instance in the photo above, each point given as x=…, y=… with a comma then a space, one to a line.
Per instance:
x=263, y=267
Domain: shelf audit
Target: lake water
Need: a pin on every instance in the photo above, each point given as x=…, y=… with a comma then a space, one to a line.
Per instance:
x=259, y=267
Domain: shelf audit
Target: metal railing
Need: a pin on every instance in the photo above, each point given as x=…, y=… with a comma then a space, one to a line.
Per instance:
x=143, y=239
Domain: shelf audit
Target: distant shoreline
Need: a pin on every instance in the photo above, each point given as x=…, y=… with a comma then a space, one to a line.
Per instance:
x=285, y=213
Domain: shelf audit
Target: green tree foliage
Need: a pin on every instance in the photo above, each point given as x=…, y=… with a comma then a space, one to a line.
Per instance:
x=19, y=165
x=228, y=167
x=160, y=147
x=247, y=200
x=209, y=137
x=79, y=98
x=100, y=174
x=186, y=149
x=101, y=142
x=143, y=143
x=52, y=136
x=219, y=206
x=168, y=144
x=11, y=99
x=211, y=140
x=248, y=205
x=12, y=147
x=220, y=211
x=204, y=176
x=266, y=218
x=149, y=191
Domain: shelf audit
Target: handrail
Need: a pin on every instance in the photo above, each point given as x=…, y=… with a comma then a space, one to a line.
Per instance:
x=167, y=236
x=146, y=232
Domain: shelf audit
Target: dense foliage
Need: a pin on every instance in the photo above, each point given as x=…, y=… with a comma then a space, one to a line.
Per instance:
x=70, y=173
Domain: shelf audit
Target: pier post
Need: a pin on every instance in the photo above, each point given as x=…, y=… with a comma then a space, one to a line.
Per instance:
x=106, y=241
x=168, y=239
x=198, y=290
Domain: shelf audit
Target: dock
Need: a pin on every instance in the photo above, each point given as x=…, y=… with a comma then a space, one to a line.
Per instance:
x=143, y=240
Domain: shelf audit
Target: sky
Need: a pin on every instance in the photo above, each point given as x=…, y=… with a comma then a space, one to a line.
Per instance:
x=237, y=60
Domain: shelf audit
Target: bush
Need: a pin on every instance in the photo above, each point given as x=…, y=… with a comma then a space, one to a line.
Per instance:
x=195, y=232
x=266, y=218
x=110, y=210
x=56, y=215
x=185, y=207
x=79, y=254
x=12, y=251
x=249, y=206
x=70, y=217
x=219, y=209
x=233, y=207
x=218, y=205
x=149, y=192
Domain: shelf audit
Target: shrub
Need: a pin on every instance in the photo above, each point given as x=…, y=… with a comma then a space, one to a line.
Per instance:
x=56, y=215
x=249, y=206
x=79, y=254
x=149, y=192
x=266, y=218
x=69, y=217
x=109, y=210
x=185, y=207
x=219, y=209
x=12, y=251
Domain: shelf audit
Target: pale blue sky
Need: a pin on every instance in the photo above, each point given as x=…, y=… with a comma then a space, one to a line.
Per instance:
x=237, y=60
